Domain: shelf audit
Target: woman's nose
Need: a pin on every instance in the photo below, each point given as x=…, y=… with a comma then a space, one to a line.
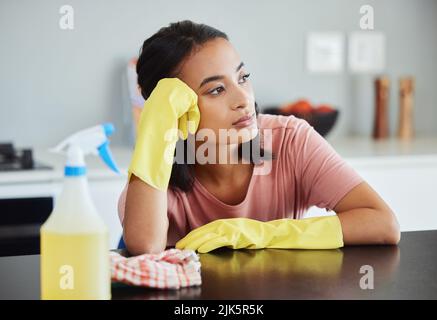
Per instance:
x=240, y=98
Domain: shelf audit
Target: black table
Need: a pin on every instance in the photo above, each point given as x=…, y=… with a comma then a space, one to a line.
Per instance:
x=407, y=271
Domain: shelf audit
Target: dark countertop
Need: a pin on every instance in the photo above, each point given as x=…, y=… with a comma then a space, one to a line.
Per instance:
x=407, y=271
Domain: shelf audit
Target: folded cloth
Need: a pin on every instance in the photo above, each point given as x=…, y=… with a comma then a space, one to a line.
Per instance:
x=170, y=269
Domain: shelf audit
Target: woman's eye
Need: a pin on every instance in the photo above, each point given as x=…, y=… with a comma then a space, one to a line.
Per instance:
x=215, y=90
x=245, y=77
x=218, y=90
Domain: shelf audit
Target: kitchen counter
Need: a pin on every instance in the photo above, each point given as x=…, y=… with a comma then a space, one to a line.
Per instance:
x=357, y=150
x=96, y=169
x=406, y=271
x=403, y=173
x=359, y=147
x=23, y=190
x=365, y=152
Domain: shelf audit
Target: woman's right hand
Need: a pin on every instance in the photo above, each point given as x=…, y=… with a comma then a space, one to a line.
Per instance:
x=173, y=96
x=171, y=105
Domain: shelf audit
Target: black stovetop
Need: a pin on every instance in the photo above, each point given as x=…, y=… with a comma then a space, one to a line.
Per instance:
x=13, y=159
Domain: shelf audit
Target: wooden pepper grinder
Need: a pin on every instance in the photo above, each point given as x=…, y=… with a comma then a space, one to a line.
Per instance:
x=406, y=91
x=380, y=125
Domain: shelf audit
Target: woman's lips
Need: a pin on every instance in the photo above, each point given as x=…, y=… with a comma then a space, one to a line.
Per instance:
x=244, y=122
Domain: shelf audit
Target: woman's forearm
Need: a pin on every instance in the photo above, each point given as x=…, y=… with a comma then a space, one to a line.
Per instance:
x=369, y=226
x=145, y=224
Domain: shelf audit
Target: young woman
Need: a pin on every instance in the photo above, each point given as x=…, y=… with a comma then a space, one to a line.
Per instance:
x=304, y=170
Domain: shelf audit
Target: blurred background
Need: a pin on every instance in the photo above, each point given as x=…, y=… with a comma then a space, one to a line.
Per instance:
x=68, y=79
x=56, y=81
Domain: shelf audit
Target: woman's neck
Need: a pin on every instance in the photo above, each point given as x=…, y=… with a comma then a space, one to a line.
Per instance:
x=226, y=170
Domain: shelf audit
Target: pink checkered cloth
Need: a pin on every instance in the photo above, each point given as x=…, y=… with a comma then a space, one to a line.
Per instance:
x=170, y=269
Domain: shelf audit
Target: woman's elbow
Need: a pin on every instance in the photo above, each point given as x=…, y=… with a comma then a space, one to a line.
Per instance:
x=144, y=248
x=392, y=231
x=138, y=245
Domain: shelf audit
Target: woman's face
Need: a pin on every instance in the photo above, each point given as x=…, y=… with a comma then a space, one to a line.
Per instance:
x=225, y=94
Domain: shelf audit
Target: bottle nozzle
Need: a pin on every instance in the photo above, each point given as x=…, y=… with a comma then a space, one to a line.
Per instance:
x=108, y=128
x=91, y=140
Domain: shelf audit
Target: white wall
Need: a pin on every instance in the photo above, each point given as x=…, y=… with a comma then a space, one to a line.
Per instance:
x=53, y=82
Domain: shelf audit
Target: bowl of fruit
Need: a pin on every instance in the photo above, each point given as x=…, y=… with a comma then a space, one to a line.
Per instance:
x=321, y=117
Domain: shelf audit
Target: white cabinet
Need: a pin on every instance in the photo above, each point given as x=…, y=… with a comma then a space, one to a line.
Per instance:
x=104, y=192
x=105, y=186
x=407, y=183
x=404, y=175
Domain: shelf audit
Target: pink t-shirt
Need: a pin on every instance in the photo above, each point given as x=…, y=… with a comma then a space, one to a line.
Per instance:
x=307, y=172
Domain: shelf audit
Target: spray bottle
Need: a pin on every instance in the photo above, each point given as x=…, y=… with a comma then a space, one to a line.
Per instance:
x=74, y=239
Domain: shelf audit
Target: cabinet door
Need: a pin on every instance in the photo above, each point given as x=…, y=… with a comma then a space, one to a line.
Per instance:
x=409, y=189
x=104, y=192
x=407, y=185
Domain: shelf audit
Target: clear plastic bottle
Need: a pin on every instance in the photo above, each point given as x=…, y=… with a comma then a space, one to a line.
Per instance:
x=74, y=239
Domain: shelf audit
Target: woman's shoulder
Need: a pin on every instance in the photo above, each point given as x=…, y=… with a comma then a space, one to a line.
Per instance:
x=289, y=134
x=270, y=121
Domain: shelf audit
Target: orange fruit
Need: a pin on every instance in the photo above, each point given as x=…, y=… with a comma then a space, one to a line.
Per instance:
x=302, y=106
x=324, y=108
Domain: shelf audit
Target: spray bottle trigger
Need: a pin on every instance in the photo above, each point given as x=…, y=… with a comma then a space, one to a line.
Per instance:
x=106, y=156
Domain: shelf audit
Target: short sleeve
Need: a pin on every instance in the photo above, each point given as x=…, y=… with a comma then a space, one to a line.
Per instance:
x=323, y=176
x=177, y=228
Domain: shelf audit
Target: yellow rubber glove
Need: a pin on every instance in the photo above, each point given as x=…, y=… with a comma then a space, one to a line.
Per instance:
x=172, y=105
x=239, y=233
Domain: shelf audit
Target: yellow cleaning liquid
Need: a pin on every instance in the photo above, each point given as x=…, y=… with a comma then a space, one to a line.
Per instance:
x=74, y=240
x=75, y=248
x=74, y=266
